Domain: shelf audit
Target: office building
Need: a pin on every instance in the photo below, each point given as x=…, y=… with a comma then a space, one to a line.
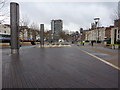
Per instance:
x=56, y=27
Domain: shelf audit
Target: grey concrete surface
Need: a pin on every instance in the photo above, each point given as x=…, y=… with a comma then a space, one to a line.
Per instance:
x=0, y=69
x=100, y=54
x=57, y=67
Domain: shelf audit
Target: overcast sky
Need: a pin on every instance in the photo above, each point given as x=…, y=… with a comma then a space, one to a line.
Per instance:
x=73, y=13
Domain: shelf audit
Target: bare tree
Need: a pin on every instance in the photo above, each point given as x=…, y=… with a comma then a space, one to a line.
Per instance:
x=4, y=13
x=116, y=12
x=64, y=35
x=24, y=23
x=2, y=3
x=47, y=34
x=119, y=10
x=34, y=28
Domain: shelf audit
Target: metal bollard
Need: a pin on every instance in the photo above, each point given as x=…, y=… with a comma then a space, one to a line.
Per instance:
x=42, y=35
x=14, y=22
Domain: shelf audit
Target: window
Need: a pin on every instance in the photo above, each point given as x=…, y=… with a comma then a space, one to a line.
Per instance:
x=115, y=33
x=116, y=23
x=119, y=33
x=4, y=31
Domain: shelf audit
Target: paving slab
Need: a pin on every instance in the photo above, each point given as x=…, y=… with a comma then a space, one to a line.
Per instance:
x=65, y=67
x=110, y=55
x=0, y=69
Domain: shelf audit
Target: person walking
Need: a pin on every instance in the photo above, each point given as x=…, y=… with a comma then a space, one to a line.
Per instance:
x=92, y=43
x=83, y=43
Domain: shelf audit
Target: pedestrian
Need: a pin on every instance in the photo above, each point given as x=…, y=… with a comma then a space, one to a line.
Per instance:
x=92, y=43
x=83, y=43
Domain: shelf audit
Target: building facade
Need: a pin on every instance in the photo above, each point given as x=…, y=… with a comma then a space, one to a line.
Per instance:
x=95, y=34
x=111, y=34
x=114, y=35
x=25, y=33
x=28, y=34
x=5, y=29
x=108, y=32
x=115, y=32
x=56, y=27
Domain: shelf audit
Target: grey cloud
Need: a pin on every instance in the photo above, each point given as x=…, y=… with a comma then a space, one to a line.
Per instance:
x=73, y=14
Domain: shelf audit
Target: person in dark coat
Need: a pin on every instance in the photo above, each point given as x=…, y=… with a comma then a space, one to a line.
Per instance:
x=92, y=43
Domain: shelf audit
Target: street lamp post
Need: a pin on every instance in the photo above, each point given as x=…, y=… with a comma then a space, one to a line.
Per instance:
x=97, y=23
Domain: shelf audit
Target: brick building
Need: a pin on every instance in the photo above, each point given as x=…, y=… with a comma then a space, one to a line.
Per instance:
x=108, y=31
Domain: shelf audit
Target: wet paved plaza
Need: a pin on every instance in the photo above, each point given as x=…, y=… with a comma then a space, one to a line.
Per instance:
x=58, y=67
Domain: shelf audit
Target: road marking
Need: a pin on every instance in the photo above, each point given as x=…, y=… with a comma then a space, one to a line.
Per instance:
x=108, y=63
